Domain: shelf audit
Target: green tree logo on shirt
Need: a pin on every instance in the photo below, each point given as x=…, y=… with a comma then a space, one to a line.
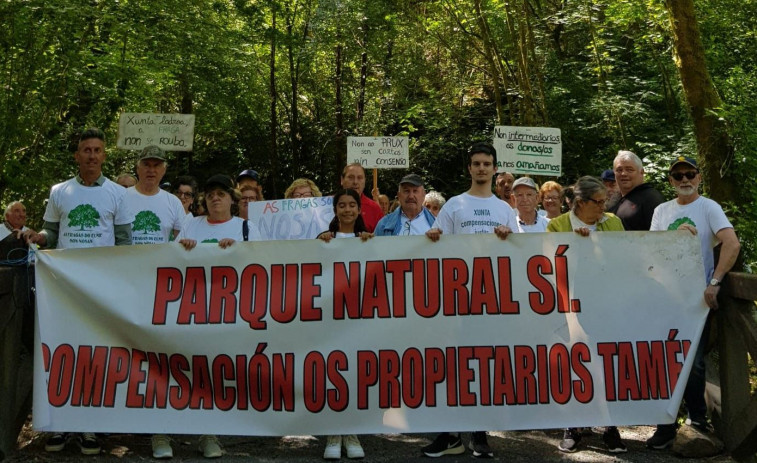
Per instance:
x=681, y=221
x=147, y=222
x=83, y=215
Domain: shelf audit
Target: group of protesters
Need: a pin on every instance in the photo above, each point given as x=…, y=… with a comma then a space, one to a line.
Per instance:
x=616, y=201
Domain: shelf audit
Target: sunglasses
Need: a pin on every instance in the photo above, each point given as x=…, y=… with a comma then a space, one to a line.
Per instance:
x=678, y=176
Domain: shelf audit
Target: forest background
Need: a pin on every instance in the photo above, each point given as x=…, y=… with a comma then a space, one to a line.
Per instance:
x=278, y=85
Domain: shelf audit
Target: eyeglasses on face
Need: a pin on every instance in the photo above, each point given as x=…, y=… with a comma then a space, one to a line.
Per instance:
x=307, y=194
x=678, y=176
x=598, y=202
x=247, y=199
x=183, y=194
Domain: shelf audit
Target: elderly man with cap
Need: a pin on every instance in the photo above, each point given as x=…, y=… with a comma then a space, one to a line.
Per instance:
x=15, y=219
x=526, y=194
x=158, y=215
x=704, y=218
x=411, y=218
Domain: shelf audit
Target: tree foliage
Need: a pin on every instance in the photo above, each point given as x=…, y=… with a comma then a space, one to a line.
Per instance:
x=279, y=85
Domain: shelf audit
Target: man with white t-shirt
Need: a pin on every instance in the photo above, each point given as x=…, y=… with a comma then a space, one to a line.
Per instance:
x=158, y=215
x=704, y=218
x=84, y=212
x=475, y=211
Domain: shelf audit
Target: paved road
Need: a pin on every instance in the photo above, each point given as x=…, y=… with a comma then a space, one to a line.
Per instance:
x=519, y=446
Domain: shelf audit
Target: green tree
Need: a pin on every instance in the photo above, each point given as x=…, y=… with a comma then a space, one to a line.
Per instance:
x=146, y=221
x=83, y=215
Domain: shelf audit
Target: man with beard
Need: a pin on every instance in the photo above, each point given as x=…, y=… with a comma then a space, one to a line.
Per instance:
x=503, y=186
x=475, y=211
x=704, y=218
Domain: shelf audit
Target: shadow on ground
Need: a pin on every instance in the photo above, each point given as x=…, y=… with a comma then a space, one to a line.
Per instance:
x=511, y=446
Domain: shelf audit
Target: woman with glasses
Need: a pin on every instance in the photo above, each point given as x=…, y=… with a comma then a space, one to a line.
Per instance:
x=588, y=215
x=587, y=212
x=551, y=198
x=248, y=194
x=185, y=191
x=302, y=188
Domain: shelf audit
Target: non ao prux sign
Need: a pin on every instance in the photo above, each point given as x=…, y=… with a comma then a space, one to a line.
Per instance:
x=171, y=132
x=379, y=152
x=528, y=150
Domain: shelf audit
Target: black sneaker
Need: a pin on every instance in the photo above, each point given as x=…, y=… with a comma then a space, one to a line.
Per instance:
x=88, y=444
x=611, y=438
x=570, y=439
x=479, y=445
x=663, y=437
x=702, y=426
x=56, y=442
x=444, y=444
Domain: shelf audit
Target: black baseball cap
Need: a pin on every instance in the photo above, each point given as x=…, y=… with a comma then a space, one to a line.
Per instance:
x=253, y=174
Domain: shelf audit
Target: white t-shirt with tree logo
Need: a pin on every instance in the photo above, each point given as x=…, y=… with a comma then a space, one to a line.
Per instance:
x=703, y=214
x=87, y=215
x=155, y=216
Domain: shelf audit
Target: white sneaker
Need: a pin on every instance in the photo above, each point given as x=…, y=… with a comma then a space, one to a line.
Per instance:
x=352, y=444
x=161, y=446
x=209, y=447
x=333, y=448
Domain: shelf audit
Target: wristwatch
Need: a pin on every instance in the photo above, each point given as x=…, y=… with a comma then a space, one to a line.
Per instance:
x=714, y=282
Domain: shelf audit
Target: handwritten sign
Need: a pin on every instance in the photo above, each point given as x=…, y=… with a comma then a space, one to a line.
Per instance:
x=528, y=150
x=292, y=219
x=171, y=132
x=379, y=152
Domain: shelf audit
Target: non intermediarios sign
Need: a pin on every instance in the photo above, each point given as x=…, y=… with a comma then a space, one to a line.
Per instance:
x=171, y=132
x=528, y=150
x=379, y=152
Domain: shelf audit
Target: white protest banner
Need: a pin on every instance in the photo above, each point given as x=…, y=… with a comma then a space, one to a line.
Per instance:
x=292, y=219
x=171, y=132
x=528, y=150
x=379, y=152
x=389, y=335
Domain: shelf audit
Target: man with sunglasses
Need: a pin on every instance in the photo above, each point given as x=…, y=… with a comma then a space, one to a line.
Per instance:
x=638, y=200
x=704, y=218
x=411, y=218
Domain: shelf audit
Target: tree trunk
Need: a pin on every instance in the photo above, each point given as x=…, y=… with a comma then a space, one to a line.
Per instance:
x=713, y=143
x=340, y=160
x=274, y=157
x=494, y=70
